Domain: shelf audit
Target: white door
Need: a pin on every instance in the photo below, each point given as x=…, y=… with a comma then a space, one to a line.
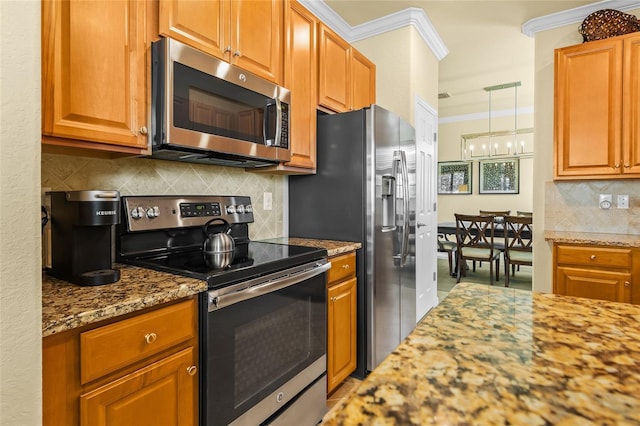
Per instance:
x=426, y=218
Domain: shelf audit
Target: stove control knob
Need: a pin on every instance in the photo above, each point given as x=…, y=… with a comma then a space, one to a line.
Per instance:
x=153, y=212
x=240, y=209
x=231, y=209
x=137, y=213
x=248, y=208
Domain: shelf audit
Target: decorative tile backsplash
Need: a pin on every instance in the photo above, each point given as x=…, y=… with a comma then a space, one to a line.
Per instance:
x=140, y=176
x=573, y=206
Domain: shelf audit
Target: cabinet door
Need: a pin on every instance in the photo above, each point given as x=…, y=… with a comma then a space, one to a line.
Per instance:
x=334, y=67
x=341, y=329
x=202, y=24
x=163, y=393
x=593, y=284
x=300, y=77
x=94, y=74
x=363, y=78
x=588, y=107
x=256, y=37
x=631, y=106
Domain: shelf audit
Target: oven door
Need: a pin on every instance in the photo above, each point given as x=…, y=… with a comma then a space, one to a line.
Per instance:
x=263, y=342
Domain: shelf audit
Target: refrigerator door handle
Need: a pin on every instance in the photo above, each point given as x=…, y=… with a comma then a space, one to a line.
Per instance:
x=399, y=156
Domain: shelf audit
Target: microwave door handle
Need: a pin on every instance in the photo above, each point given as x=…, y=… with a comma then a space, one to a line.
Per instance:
x=265, y=124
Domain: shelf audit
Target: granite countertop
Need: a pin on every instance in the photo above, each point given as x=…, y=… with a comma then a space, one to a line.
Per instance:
x=333, y=247
x=593, y=238
x=495, y=355
x=66, y=306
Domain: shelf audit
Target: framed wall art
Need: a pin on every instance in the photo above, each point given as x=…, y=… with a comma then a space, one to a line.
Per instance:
x=454, y=177
x=500, y=176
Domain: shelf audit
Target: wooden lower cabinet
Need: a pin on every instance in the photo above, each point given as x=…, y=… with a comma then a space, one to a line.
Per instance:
x=142, y=369
x=341, y=319
x=595, y=272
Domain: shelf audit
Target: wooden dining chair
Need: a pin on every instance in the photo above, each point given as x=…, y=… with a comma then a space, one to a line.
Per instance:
x=449, y=247
x=499, y=218
x=518, y=247
x=474, y=238
x=521, y=213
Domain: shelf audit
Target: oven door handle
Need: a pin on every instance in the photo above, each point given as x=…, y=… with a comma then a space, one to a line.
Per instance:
x=269, y=286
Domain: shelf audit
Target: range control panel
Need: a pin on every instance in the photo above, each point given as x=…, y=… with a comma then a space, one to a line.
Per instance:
x=146, y=213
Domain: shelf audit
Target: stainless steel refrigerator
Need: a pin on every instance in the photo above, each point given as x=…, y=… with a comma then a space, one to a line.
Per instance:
x=364, y=190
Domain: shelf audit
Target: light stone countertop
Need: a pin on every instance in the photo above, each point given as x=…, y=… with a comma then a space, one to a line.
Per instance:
x=593, y=238
x=495, y=355
x=66, y=306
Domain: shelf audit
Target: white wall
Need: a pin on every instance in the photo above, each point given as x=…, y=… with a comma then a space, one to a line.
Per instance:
x=20, y=273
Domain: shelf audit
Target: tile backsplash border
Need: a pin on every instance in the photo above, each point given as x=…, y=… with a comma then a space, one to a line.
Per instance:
x=573, y=206
x=141, y=176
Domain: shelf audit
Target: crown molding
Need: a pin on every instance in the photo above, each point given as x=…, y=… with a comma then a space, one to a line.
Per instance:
x=573, y=16
x=412, y=16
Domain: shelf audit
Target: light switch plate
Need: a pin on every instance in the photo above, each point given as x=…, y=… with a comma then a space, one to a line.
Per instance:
x=267, y=201
x=605, y=201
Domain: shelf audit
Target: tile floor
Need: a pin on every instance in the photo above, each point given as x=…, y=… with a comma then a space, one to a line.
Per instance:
x=349, y=385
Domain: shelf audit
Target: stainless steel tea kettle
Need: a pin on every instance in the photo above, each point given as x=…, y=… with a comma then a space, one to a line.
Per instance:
x=218, y=247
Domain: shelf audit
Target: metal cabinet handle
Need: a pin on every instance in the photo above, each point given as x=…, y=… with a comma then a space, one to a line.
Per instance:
x=236, y=53
x=143, y=130
x=192, y=370
x=345, y=266
x=150, y=337
x=593, y=257
x=617, y=166
x=627, y=284
x=626, y=166
x=420, y=224
x=227, y=49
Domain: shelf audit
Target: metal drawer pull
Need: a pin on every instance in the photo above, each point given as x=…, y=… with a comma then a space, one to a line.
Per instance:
x=593, y=257
x=150, y=337
x=192, y=370
x=627, y=284
x=345, y=266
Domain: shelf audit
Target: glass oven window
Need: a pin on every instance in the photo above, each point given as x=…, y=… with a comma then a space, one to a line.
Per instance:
x=256, y=346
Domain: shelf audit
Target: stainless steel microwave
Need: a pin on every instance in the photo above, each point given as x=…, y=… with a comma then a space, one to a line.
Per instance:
x=205, y=110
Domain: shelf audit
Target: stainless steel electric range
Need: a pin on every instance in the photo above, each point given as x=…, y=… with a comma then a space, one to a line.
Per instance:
x=263, y=319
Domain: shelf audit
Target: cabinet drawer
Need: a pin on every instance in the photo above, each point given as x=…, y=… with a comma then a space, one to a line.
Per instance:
x=108, y=348
x=342, y=267
x=594, y=256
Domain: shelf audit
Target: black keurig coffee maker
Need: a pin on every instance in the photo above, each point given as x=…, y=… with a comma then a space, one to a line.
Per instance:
x=81, y=228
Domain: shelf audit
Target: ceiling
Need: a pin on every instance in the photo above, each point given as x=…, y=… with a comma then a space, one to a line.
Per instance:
x=485, y=42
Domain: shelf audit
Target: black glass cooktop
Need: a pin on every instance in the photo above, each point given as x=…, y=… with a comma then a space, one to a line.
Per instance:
x=250, y=260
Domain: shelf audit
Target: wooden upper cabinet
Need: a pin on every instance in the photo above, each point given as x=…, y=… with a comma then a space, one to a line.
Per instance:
x=347, y=79
x=334, y=85
x=596, y=109
x=247, y=33
x=301, y=78
x=363, y=79
x=94, y=75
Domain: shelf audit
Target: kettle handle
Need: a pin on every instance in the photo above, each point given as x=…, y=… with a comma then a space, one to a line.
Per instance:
x=215, y=219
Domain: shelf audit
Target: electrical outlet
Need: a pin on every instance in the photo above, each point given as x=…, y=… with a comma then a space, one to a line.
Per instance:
x=623, y=201
x=605, y=201
x=267, y=201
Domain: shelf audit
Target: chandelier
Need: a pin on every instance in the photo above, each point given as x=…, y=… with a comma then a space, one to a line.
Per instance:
x=513, y=142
